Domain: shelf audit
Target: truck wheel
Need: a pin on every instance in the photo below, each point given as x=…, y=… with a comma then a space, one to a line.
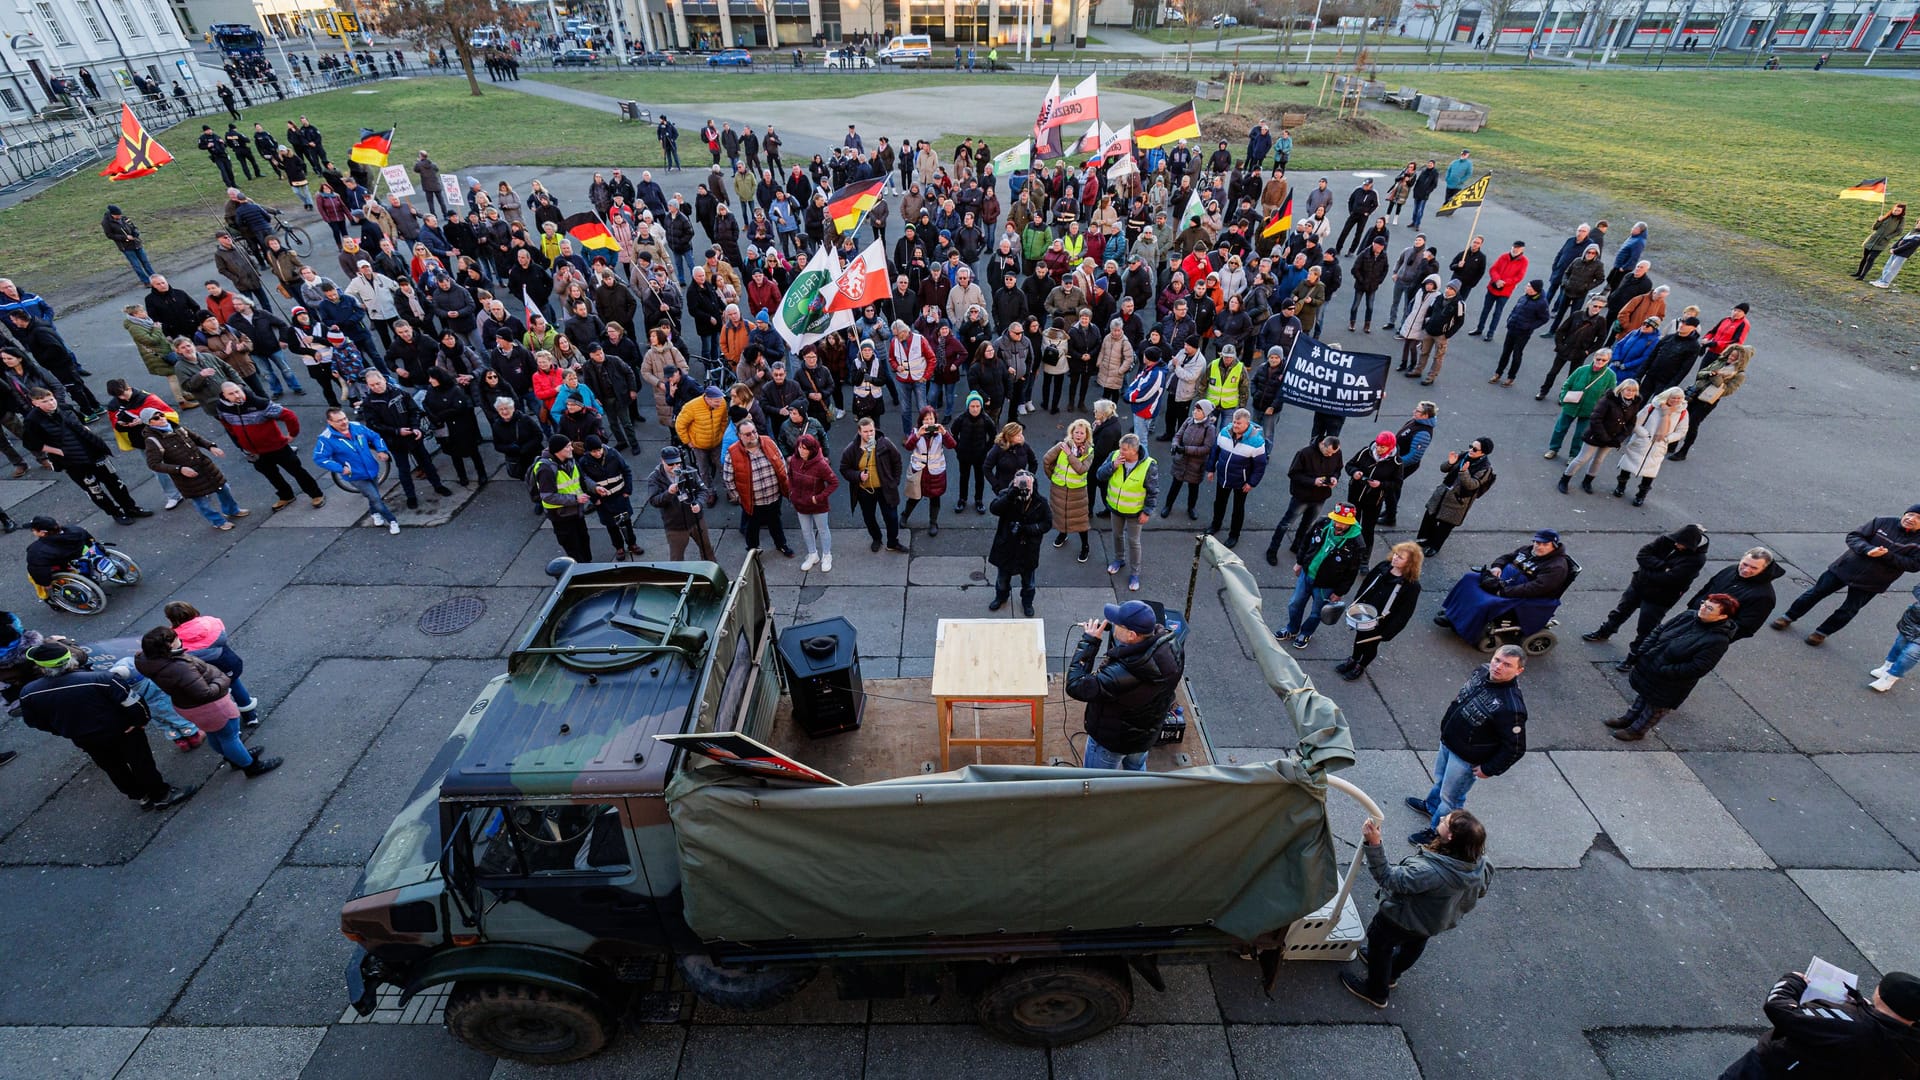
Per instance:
x=1055, y=1002
x=740, y=989
x=529, y=1024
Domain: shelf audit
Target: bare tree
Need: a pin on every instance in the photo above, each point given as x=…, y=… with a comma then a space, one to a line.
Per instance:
x=452, y=24
x=1446, y=16
x=1497, y=12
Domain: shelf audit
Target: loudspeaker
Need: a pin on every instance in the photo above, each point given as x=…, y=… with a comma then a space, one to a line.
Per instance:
x=823, y=676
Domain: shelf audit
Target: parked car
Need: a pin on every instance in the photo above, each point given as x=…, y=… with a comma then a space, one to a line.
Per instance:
x=1219, y=21
x=576, y=58
x=847, y=58
x=731, y=58
x=650, y=59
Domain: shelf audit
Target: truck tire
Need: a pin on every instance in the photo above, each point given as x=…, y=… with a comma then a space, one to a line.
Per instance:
x=1055, y=1002
x=738, y=988
x=529, y=1024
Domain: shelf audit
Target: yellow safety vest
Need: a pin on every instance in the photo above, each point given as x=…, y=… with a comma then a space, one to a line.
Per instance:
x=1224, y=390
x=566, y=484
x=1127, y=492
x=1063, y=475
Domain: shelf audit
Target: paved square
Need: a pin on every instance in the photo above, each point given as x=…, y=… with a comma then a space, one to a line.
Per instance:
x=1656, y=811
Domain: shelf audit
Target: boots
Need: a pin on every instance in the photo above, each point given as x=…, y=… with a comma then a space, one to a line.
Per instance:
x=262, y=766
x=1586, y=483
x=1620, y=487
x=1368, y=329
x=1562, y=484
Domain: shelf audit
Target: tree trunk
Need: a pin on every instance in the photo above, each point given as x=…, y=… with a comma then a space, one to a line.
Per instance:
x=466, y=65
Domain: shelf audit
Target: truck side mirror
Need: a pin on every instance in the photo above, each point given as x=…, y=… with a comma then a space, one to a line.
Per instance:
x=558, y=568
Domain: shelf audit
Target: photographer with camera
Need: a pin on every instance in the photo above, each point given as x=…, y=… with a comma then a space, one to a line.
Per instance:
x=677, y=491
x=1024, y=521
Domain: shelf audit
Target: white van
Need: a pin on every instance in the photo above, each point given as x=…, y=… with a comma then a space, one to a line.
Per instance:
x=907, y=49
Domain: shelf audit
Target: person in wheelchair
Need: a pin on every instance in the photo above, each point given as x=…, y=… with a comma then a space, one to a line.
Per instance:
x=1520, y=589
x=54, y=548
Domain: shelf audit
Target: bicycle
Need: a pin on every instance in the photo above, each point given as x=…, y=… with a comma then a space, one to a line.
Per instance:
x=79, y=587
x=292, y=237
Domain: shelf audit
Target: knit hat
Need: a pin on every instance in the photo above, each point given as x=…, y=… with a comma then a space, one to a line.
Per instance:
x=49, y=654
x=1454, y=284
x=737, y=413
x=1344, y=515
x=713, y=392
x=1691, y=320
x=1728, y=605
x=1385, y=440
x=974, y=396
x=298, y=310
x=1900, y=992
x=762, y=316
x=593, y=443
x=335, y=337
x=1742, y=308
x=557, y=443
x=1914, y=509
x=1537, y=285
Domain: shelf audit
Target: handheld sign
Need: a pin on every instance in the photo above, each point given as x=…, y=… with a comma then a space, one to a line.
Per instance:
x=1334, y=381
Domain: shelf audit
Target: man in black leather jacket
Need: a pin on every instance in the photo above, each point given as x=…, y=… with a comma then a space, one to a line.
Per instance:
x=1129, y=695
x=1857, y=1038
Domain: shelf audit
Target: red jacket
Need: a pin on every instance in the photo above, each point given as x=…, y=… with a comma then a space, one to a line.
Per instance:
x=811, y=482
x=1507, y=273
x=743, y=469
x=1728, y=331
x=256, y=426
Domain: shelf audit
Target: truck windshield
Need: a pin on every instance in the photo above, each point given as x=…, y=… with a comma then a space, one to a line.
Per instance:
x=545, y=840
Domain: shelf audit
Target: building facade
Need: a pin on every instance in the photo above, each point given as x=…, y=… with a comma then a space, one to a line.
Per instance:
x=677, y=24
x=54, y=47
x=1623, y=25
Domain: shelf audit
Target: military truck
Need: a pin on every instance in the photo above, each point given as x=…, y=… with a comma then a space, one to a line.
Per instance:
x=556, y=857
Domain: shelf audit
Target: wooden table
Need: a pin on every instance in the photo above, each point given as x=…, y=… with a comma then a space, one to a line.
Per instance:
x=990, y=661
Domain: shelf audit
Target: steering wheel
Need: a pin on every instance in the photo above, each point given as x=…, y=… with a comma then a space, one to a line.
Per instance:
x=549, y=824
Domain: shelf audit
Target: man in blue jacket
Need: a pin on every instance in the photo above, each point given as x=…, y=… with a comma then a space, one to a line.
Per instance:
x=353, y=452
x=1459, y=175
x=1628, y=255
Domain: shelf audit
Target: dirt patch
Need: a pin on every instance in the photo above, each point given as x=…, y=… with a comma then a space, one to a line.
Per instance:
x=1156, y=80
x=1322, y=128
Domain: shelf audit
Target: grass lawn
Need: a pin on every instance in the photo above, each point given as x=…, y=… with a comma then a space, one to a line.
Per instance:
x=178, y=207
x=1758, y=155
x=732, y=84
x=1177, y=35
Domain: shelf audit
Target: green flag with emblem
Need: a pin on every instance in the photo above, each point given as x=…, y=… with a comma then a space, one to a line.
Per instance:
x=803, y=316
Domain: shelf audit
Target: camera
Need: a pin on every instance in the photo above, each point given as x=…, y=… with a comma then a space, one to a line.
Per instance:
x=691, y=488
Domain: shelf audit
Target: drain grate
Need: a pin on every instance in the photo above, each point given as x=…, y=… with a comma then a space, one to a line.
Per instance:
x=452, y=616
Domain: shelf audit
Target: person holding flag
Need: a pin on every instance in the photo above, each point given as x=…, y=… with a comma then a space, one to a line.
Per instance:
x=373, y=148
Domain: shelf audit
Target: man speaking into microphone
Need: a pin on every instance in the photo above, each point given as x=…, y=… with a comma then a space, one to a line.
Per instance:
x=1129, y=694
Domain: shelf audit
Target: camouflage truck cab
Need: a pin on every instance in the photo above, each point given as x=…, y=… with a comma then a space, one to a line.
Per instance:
x=555, y=854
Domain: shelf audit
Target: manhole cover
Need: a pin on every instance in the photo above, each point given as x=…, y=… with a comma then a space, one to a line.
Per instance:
x=452, y=616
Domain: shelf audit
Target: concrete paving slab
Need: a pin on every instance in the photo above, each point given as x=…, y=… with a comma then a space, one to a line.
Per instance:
x=86, y=822
x=1656, y=811
x=1426, y=665
x=69, y=1053
x=1860, y=903
x=343, y=509
x=912, y=1051
x=949, y=570
x=279, y=963
x=419, y=556
x=355, y=1051
x=1818, y=698
x=642, y=1052
x=15, y=492
x=1800, y=816
x=1716, y=716
x=1659, y=1055
x=357, y=812
x=1136, y=1050
x=1188, y=998
x=1330, y=1051
x=1533, y=817
x=1389, y=776
x=876, y=612
x=44, y=764
x=728, y=1053
x=1058, y=608
x=231, y=1053
x=242, y=580
x=1883, y=785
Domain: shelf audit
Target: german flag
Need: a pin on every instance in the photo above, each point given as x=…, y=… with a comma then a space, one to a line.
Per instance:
x=1868, y=191
x=1179, y=122
x=1281, y=221
x=372, y=148
x=848, y=207
x=138, y=155
x=585, y=230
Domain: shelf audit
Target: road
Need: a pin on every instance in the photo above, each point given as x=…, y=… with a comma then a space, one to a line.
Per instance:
x=1647, y=896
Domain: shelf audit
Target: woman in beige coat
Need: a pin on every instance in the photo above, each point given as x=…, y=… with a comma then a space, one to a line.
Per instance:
x=653, y=371
x=1067, y=466
x=1114, y=360
x=1661, y=426
x=1717, y=380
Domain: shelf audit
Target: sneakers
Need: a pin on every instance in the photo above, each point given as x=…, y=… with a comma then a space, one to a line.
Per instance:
x=826, y=564
x=1060, y=540
x=378, y=520
x=1133, y=582
x=812, y=560
x=1884, y=683
x=1596, y=635
x=174, y=797
x=225, y=526
x=1300, y=641
x=172, y=501
x=1551, y=454
x=1880, y=672
x=1116, y=566
x=1419, y=806
x=1393, y=983
x=1084, y=552
x=393, y=528
x=1423, y=838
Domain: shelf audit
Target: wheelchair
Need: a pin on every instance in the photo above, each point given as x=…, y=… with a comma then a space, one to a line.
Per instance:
x=80, y=587
x=1529, y=624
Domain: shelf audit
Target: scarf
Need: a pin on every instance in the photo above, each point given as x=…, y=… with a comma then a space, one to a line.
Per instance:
x=1333, y=539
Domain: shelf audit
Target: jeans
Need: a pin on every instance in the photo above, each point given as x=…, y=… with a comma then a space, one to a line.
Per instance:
x=1099, y=757
x=277, y=371
x=160, y=707
x=1490, y=313
x=1590, y=456
x=1308, y=511
x=1419, y=210
x=376, y=505
x=1355, y=308
x=1303, y=609
x=682, y=266
x=1453, y=778
x=1402, y=294
x=1126, y=540
x=762, y=517
x=1894, y=263
x=874, y=509
x=1562, y=425
x=912, y=396
x=1003, y=586
x=228, y=507
x=1904, y=655
x=1142, y=428
x=167, y=486
x=1829, y=584
x=815, y=534
x=142, y=269
x=407, y=452
x=227, y=741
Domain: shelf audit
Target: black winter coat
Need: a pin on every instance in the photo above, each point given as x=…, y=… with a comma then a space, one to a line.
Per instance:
x=973, y=436
x=1755, y=595
x=1612, y=419
x=1393, y=597
x=1025, y=517
x=81, y=703
x=1341, y=567
x=1902, y=557
x=1308, y=465
x=1486, y=723
x=1668, y=564
x=1677, y=655
x=1670, y=365
x=1128, y=696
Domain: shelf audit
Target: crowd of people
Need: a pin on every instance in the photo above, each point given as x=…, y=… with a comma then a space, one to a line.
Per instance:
x=439, y=329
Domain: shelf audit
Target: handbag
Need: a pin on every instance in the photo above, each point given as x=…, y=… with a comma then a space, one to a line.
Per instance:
x=1572, y=397
x=1709, y=394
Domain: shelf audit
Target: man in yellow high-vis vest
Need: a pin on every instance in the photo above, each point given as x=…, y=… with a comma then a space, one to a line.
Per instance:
x=1132, y=483
x=556, y=482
